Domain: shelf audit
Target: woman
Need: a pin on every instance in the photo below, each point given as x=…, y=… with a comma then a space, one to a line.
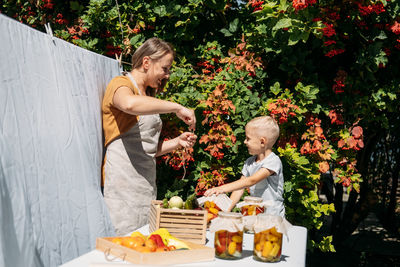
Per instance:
x=132, y=127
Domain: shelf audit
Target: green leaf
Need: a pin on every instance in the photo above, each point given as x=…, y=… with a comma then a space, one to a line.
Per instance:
x=74, y=5
x=142, y=24
x=282, y=23
x=276, y=88
x=262, y=29
x=226, y=32
x=204, y=165
x=233, y=25
x=160, y=10
x=283, y=5
x=295, y=37
x=136, y=39
x=381, y=36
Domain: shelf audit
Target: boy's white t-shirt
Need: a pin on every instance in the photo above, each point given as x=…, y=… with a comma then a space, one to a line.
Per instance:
x=270, y=188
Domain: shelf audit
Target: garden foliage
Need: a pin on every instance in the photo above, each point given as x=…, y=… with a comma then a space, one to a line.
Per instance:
x=326, y=70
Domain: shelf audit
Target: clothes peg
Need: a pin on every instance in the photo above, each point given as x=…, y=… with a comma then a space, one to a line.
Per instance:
x=49, y=31
x=119, y=59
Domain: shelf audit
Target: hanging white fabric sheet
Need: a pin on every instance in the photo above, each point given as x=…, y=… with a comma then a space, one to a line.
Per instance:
x=51, y=207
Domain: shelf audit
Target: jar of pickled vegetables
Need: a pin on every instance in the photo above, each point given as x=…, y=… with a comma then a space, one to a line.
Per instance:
x=228, y=238
x=268, y=232
x=252, y=206
x=212, y=210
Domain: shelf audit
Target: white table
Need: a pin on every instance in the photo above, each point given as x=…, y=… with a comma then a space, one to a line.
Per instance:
x=293, y=253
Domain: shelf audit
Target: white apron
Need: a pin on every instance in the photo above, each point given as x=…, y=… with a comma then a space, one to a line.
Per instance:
x=130, y=174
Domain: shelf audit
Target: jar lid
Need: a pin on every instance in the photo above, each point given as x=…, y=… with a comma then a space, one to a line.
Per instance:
x=253, y=199
x=232, y=215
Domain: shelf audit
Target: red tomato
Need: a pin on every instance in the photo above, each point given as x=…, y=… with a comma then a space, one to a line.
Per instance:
x=220, y=249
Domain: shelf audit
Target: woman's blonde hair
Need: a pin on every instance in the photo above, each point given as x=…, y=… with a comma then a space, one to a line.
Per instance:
x=153, y=48
x=265, y=126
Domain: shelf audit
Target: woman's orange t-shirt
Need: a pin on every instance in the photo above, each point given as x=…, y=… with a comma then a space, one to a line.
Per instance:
x=115, y=121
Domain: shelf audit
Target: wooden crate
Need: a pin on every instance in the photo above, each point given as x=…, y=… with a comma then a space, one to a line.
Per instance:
x=188, y=225
x=196, y=253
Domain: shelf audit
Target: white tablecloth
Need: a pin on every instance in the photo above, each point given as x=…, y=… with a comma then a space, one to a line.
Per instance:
x=293, y=253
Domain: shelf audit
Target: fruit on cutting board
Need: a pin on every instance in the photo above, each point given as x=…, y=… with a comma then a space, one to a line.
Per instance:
x=170, y=240
x=158, y=241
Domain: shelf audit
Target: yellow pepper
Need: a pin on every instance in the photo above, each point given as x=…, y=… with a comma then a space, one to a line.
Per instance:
x=213, y=211
x=139, y=234
x=267, y=249
x=170, y=240
x=237, y=238
x=275, y=250
x=232, y=248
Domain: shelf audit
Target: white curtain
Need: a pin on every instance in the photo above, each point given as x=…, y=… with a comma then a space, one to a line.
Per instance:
x=51, y=207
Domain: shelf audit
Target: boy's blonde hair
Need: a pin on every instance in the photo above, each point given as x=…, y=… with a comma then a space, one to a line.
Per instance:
x=267, y=127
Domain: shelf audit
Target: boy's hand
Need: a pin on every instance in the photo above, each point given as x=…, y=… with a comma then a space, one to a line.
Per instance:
x=216, y=190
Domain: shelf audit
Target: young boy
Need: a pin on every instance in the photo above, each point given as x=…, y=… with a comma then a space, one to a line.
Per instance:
x=262, y=172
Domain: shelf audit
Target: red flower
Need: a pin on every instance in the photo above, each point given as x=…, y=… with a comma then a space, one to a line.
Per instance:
x=346, y=182
x=365, y=10
x=397, y=45
x=378, y=8
x=310, y=120
x=302, y=4
x=299, y=4
x=395, y=28
x=306, y=148
x=336, y=118
x=334, y=16
x=387, y=51
x=334, y=52
x=329, y=42
x=328, y=31
x=48, y=5
x=257, y=5
x=323, y=166
x=340, y=79
x=338, y=87
x=317, y=145
x=357, y=132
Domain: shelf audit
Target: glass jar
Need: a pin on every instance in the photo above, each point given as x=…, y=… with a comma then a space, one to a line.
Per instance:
x=253, y=208
x=267, y=245
x=228, y=243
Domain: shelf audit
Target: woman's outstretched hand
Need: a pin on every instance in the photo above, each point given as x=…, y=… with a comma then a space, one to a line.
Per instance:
x=187, y=115
x=187, y=139
x=214, y=191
